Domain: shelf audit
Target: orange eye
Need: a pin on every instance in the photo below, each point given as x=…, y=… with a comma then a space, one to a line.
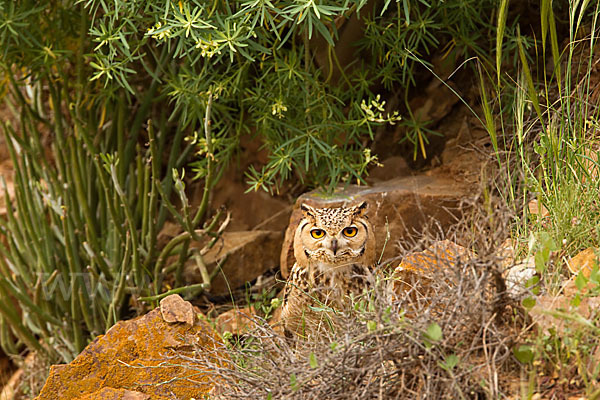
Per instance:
x=317, y=233
x=350, y=231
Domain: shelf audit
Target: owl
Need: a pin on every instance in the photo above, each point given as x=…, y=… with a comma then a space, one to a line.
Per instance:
x=335, y=254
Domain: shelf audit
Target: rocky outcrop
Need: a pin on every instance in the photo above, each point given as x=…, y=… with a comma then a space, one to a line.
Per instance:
x=141, y=359
x=240, y=257
x=401, y=207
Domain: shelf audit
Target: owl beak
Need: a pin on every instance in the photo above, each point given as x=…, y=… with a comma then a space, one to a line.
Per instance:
x=334, y=246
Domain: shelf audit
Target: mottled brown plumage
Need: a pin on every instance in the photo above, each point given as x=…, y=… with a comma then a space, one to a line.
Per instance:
x=335, y=252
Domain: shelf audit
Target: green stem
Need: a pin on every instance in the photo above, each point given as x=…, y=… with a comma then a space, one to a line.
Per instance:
x=175, y=291
x=132, y=232
x=210, y=156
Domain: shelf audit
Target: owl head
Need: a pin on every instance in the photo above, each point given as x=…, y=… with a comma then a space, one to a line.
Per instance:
x=334, y=236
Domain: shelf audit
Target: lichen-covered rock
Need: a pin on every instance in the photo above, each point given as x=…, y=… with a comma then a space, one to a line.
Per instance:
x=442, y=254
x=418, y=267
x=141, y=355
x=114, y=394
x=400, y=207
x=584, y=262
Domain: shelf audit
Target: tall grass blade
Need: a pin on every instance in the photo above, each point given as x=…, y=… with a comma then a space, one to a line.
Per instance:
x=533, y=96
x=502, y=13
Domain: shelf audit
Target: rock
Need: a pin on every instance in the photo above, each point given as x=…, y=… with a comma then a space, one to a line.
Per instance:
x=517, y=275
x=538, y=209
x=242, y=257
x=139, y=355
x=174, y=309
x=250, y=210
x=237, y=321
x=420, y=266
x=390, y=168
x=440, y=255
x=435, y=103
x=560, y=312
x=583, y=262
x=114, y=394
x=404, y=205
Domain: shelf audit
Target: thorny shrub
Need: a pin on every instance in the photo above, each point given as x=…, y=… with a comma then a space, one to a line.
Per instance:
x=449, y=333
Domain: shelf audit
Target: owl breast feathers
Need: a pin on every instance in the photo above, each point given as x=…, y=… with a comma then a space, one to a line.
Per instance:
x=335, y=252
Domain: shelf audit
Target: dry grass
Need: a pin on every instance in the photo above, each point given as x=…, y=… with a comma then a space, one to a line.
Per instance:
x=388, y=345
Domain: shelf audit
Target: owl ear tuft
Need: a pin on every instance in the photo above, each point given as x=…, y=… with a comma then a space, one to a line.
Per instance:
x=359, y=210
x=308, y=211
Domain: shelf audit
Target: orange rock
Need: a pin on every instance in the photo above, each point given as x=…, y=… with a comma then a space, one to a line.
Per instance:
x=583, y=262
x=140, y=355
x=441, y=254
x=419, y=266
x=114, y=394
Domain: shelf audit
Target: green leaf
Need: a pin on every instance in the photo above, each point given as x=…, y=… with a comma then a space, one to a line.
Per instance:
x=450, y=362
x=576, y=301
x=312, y=360
x=594, y=275
x=581, y=281
x=532, y=284
x=547, y=242
x=523, y=353
x=540, y=262
x=371, y=326
x=528, y=303
x=533, y=96
x=433, y=334
x=501, y=25
x=294, y=382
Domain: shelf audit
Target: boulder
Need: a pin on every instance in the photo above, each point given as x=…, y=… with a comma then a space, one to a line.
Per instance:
x=114, y=394
x=584, y=262
x=442, y=254
x=516, y=277
x=241, y=256
x=141, y=355
x=401, y=207
x=418, y=268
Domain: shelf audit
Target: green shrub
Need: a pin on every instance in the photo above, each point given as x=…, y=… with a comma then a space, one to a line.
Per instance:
x=93, y=184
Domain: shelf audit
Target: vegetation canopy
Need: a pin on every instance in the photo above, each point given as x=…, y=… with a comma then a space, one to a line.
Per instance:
x=113, y=107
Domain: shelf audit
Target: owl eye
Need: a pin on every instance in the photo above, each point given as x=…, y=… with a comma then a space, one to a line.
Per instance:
x=350, y=231
x=317, y=233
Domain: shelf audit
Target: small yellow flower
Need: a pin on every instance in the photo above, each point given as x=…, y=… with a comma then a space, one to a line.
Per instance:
x=163, y=35
x=278, y=108
x=209, y=48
